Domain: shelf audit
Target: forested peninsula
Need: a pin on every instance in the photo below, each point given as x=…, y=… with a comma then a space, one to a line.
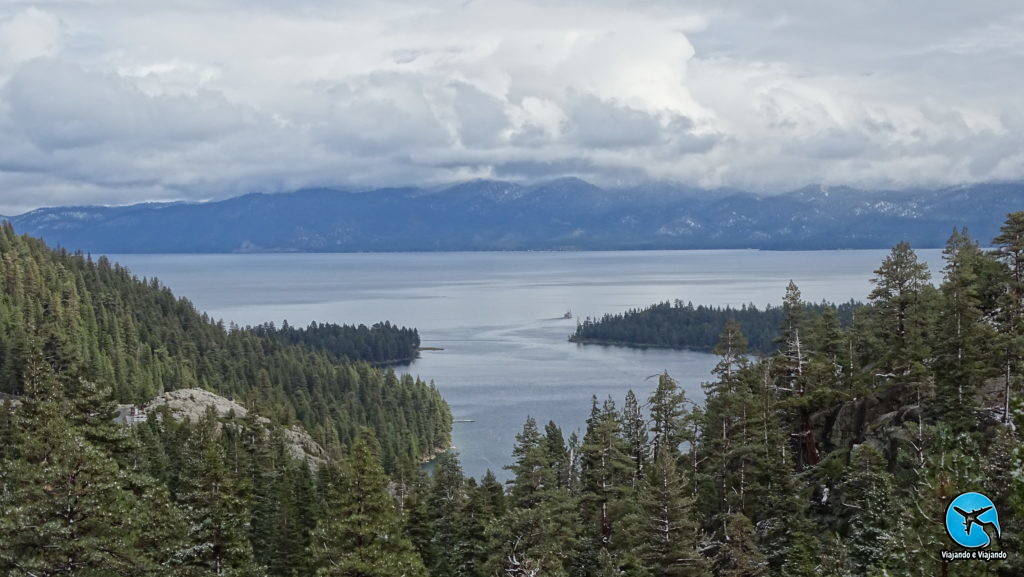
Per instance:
x=836, y=453
x=679, y=325
x=382, y=343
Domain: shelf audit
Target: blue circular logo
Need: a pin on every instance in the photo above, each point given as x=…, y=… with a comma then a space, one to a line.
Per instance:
x=972, y=521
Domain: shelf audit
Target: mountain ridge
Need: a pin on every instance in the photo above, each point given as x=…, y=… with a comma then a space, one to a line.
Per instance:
x=563, y=214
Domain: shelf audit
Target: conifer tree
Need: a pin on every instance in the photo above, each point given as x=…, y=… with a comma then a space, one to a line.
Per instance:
x=605, y=469
x=731, y=350
x=792, y=348
x=540, y=530
x=788, y=534
x=1010, y=251
x=478, y=512
x=445, y=555
x=781, y=512
x=66, y=506
x=669, y=535
x=8, y=431
x=867, y=491
x=829, y=364
x=731, y=448
x=668, y=406
x=899, y=284
x=830, y=341
x=358, y=530
x=218, y=517
x=740, y=555
x=493, y=495
x=960, y=336
x=634, y=432
x=532, y=470
x=558, y=453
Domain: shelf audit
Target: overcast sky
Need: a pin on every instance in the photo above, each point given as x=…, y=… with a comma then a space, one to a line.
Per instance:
x=116, y=101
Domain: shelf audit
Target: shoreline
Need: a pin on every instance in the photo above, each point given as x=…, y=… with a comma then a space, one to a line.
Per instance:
x=629, y=345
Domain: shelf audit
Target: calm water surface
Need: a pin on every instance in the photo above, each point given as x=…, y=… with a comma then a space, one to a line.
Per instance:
x=497, y=316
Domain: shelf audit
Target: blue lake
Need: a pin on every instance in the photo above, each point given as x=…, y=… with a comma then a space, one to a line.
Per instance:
x=497, y=316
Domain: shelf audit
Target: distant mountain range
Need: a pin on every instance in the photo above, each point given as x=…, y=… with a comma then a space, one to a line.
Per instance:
x=564, y=214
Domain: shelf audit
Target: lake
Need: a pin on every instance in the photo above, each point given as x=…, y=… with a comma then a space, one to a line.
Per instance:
x=497, y=316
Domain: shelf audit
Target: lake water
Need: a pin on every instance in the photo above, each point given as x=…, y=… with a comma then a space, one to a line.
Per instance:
x=497, y=316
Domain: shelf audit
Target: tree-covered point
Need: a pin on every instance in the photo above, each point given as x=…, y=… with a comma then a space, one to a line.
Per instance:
x=95, y=320
x=380, y=343
x=681, y=325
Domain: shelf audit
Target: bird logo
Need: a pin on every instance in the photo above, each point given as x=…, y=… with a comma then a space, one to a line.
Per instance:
x=972, y=521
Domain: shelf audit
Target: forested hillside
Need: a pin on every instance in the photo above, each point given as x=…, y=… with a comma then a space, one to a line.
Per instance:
x=680, y=325
x=836, y=454
x=96, y=321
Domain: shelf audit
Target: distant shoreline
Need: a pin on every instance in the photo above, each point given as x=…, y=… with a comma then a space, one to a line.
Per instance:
x=630, y=345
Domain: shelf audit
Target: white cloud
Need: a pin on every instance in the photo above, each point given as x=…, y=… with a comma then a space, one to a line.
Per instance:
x=28, y=34
x=120, y=101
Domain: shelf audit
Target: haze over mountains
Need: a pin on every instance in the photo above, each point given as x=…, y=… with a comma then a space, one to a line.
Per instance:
x=563, y=214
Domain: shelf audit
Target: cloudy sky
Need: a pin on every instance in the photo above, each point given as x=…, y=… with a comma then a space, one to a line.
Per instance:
x=116, y=101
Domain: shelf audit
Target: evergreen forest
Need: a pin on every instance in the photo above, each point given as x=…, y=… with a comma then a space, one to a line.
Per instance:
x=95, y=321
x=833, y=451
x=381, y=343
x=681, y=325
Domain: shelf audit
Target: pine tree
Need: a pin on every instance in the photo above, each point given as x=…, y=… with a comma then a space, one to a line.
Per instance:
x=540, y=530
x=731, y=449
x=788, y=534
x=445, y=554
x=358, y=530
x=731, y=350
x=218, y=517
x=605, y=469
x=791, y=367
x=780, y=508
x=867, y=490
x=292, y=521
x=829, y=362
x=634, y=432
x=668, y=406
x=493, y=495
x=668, y=532
x=541, y=540
x=899, y=284
x=532, y=470
x=9, y=437
x=477, y=513
x=740, y=555
x=1010, y=251
x=959, y=358
x=953, y=463
x=1010, y=248
x=67, y=506
x=829, y=340
x=558, y=453
x=792, y=349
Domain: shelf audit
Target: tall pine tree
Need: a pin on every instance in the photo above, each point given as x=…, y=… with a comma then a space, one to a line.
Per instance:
x=359, y=530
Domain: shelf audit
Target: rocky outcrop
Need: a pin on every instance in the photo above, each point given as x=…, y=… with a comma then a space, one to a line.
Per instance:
x=882, y=418
x=302, y=446
x=192, y=405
